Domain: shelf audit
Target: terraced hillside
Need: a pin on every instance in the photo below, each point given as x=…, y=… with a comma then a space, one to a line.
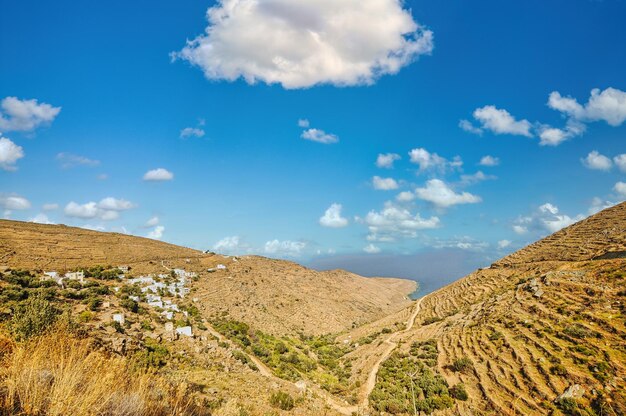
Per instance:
x=542, y=331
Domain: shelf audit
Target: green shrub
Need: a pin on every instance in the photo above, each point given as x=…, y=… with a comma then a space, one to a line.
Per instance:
x=282, y=400
x=129, y=304
x=85, y=316
x=461, y=365
x=33, y=317
x=458, y=392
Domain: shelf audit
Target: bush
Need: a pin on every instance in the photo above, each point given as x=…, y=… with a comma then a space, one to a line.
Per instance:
x=34, y=316
x=129, y=304
x=282, y=400
x=462, y=364
x=458, y=392
x=558, y=370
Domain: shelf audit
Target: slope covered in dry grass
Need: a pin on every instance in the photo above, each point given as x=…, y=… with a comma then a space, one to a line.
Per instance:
x=545, y=319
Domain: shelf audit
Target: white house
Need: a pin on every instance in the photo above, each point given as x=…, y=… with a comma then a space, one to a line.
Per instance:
x=119, y=317
x=124, y=268
x=80, y=276
x=184, y=330
x=168, y=315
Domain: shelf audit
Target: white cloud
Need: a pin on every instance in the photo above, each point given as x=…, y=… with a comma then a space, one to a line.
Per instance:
x=40, y=219
x=25, y=115
x=598, y=204
x=500, y=121
x=319, y=136
x=88, y=210
x=470, y=128
x=304, y=123
x=597, y=161
x=153, y=221
x=405, y=196
x=502, y=244
x=93, y=227
x=332, y=217
x=10, y=153
x=552, y=136
x=620, y=162
x=50, y=207
x=394, y=222
x=384, y=184
x=156, y=233
x=158, y=175
x=115, y=204
x=14, y=202
x=620, y=188
x=107, y=209
x=475, y=178
x=463, y=243
x=489, y=161
x=191, y=132
x=608, y=105
x=69, y=160
x=230, y=245
x=386, y=160
x=520, y=229
x=432, y=161
x=371, y=249
x=308, y=42
x=441, y=195
x=546, y=217
x=284, y=248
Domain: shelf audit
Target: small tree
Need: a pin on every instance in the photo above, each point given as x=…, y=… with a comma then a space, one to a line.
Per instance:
x=33, y=317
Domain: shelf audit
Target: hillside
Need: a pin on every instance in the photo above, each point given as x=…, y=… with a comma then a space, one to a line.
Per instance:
x=275, y=296
x=545, y=321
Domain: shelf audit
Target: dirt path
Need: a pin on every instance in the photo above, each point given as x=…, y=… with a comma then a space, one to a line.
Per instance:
x=366, y=389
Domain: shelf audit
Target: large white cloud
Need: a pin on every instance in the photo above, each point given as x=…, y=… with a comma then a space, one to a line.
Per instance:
x=441, y=195
x=332, y=217
x=158, y=175
x=25, y=115
x=597, y=161
x=608, y=105
x=620, y=188
x=394, y=222
x=10, y=153
x=107, y=209
x=432, y=161
x=384, y=184
x=302, y=43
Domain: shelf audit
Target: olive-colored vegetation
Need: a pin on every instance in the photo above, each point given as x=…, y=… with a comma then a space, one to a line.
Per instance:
x=408, y=383
x=315, y=358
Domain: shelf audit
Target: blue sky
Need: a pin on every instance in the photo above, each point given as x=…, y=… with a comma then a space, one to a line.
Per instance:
x=122, y=84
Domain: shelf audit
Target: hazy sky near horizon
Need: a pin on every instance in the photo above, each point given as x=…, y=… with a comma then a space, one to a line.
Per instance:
x=320, y=131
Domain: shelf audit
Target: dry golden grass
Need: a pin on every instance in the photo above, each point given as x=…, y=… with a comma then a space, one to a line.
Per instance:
x=62, y=374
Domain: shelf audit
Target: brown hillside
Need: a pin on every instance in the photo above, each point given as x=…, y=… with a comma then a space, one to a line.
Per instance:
x=519, y=334
x=275, y=296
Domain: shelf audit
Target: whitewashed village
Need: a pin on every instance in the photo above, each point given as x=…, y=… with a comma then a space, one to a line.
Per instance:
x=160, y=292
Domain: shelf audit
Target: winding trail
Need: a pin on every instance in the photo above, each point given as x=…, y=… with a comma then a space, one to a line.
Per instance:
x=331, y=401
